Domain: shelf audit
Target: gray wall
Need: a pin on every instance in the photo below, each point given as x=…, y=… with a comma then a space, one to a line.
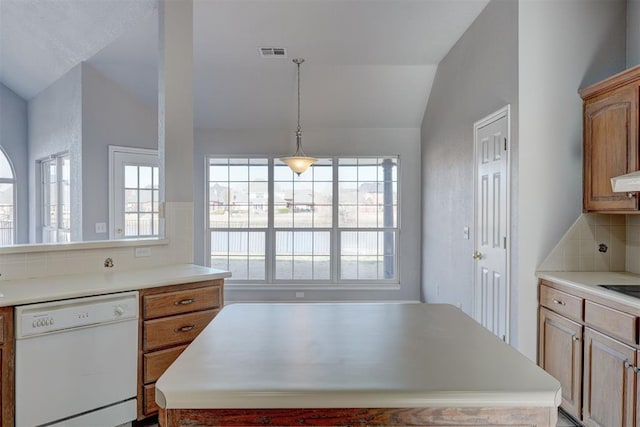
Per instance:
x=633, y=33
x=110, y=116
x=562, y=46
x=55, y=126
x=478, y=76
x=324, y=142
x=13, y=139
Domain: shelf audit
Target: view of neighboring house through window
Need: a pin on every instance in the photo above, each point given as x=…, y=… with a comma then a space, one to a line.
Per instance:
x=7, y=201
x=55, y=198
x=337, y=222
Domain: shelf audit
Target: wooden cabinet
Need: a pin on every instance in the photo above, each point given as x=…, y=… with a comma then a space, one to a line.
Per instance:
x=560, y=354
x=7, y=363
x=591, y=344
x=170, y=318
x=610, y=141
x=609, y=381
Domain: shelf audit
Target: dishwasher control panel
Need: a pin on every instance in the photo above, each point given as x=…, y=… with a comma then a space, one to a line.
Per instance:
x=37, y=319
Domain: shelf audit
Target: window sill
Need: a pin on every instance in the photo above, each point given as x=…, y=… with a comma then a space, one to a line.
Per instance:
x=312, y=287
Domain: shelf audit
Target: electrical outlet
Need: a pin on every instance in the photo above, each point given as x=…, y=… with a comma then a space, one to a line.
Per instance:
x=101, y=227
x=299, y=294
x=437, y=290
x=143, y=252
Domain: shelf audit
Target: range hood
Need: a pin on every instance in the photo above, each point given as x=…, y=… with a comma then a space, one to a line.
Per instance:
x=629, y=183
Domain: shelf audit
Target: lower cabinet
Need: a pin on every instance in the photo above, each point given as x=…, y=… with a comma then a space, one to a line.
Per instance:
x=560, y=354
x=609, y=381
x=170, y=318
x=590, y=345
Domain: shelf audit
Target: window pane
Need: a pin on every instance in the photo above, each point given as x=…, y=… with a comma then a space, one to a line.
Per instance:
x=305, y=201
x=131, y=200
x=303, y=255
x=131, y=224
x=146, y=174
x=367, y=255
x=5, y=166
x=130, y=176
x=6, y=214
x=145, y=227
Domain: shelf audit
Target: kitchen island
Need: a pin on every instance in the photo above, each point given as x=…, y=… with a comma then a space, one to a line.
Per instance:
x=353, y=364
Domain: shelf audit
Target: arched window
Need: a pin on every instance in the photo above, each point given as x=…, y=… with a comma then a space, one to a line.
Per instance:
x=7, y=200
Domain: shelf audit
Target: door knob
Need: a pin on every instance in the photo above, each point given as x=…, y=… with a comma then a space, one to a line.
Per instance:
x=477, y=255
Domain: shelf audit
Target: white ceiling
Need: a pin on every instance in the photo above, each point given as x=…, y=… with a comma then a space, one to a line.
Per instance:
x=369, y=63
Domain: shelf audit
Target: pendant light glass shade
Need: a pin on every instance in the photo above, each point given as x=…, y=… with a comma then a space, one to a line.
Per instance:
x=299, y=162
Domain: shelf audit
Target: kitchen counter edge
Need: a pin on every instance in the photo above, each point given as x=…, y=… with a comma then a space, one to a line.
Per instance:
x=52, y=288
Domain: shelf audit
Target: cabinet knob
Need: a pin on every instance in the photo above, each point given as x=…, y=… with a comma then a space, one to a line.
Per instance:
x=575, y=338
x=557, y=301
x=628, y=365
x=631, y=195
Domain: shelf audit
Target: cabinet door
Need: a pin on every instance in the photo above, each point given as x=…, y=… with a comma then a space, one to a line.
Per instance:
x=610, y=148
x=609, y=381
x=561, y=356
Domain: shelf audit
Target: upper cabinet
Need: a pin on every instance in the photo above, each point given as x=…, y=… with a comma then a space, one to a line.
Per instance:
x=610, y=137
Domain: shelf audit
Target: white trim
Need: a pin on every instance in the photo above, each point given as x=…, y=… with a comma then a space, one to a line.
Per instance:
x=497, y=115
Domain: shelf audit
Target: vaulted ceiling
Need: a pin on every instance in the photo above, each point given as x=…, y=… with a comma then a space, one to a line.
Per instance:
x=369, y=63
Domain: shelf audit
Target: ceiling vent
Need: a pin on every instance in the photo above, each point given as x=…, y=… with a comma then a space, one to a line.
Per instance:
x=273, y=52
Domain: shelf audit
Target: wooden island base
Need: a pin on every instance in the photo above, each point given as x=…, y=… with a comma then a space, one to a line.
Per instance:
x=539, y=417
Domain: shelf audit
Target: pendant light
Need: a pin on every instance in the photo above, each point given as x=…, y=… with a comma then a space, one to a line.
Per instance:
x=299, y=162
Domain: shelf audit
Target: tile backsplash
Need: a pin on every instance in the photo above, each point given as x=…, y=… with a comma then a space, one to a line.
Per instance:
x=597, y=242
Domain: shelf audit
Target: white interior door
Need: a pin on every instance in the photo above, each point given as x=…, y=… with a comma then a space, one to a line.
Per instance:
x=491, y=287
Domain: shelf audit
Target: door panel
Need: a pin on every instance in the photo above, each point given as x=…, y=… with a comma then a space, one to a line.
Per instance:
x=491, y=283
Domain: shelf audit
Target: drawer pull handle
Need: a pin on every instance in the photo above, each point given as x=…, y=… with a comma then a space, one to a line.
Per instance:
x=557, y=301
x=185, y=328
x=185, y=301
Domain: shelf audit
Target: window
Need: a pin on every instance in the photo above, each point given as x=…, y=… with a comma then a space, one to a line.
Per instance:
x=7, y=201
x=134, y=193
x=336, y=223
x=55, y=200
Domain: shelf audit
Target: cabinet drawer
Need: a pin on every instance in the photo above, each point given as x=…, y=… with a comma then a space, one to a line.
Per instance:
x=170, y=303
x=561, y=302
x=611, y=322
x=157, y=362
x=180, y=329
x=149, y=396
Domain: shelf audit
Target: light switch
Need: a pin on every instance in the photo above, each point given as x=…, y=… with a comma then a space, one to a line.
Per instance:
x=101, y=227
x=465, y=233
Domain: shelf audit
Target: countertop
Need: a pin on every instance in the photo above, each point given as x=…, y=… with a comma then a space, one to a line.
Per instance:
x=352, y=355
x=27, y=291
x=588, y=281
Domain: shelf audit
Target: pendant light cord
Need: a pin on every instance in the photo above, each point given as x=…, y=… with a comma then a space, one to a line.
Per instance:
x=298, y=62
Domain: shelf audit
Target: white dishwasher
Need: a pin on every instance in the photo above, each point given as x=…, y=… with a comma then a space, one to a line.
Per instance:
x=76, y=361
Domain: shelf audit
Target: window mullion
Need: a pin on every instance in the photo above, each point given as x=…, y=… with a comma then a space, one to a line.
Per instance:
x=270, y=248
x=335, y=232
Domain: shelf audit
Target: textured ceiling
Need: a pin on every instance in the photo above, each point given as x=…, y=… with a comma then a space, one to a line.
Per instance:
x=369, y=63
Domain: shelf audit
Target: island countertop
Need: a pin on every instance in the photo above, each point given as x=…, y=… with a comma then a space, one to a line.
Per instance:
x=351, y=355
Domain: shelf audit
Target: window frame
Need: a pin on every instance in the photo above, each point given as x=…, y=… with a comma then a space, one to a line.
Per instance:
x=335, y=231
x=44, y=190
x=14, y=207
